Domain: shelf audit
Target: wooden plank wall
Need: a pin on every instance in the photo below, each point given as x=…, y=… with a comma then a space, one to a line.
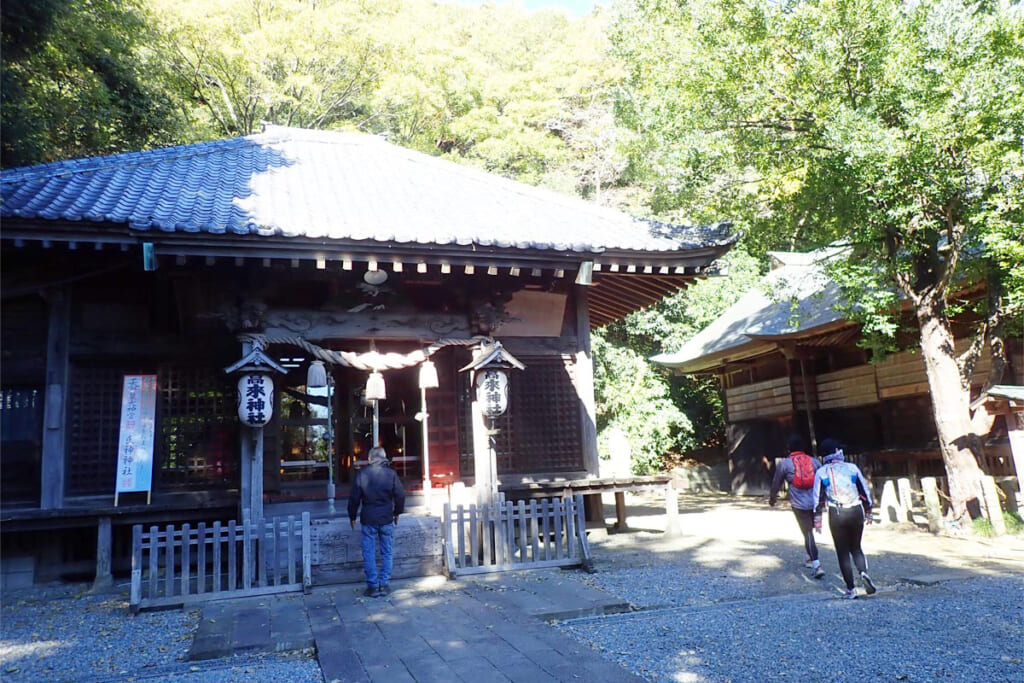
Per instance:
x=769, y=398
x=899, y=375
x=847, y=388
x=903, y=374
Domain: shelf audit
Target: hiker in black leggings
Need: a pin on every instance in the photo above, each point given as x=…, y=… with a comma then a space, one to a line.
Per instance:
x=848, y=495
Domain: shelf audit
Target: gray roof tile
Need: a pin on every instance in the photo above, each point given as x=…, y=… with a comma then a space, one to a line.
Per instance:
x=797, y=297
x=333, y=186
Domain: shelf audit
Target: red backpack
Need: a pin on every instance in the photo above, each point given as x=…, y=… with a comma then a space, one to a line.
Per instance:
x=803, y=466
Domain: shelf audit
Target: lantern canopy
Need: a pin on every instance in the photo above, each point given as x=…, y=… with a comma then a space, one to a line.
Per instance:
x=490, y=365
x=255, y=387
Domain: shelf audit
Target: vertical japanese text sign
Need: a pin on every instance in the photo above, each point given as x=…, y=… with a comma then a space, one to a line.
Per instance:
x=135, y=445
x=492, y=391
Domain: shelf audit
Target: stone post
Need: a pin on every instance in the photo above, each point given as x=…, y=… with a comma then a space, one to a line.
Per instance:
x=906, y=499
x=992, y=505
x=932, y=506
x=889, y=505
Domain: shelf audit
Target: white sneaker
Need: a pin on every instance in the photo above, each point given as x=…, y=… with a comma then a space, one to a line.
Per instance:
x=850, y=594
x=809, y=563
x=819, y=572
x=869, y=585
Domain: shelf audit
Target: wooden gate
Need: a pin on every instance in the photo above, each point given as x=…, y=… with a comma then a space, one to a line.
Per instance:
x=177, y=566
x=515, y=535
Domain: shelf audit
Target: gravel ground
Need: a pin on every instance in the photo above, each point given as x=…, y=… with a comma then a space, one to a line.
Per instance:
x=966, y=630
x=64, y=633
x=729, y=600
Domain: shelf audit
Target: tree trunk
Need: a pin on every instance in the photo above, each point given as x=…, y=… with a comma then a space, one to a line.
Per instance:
x=958, y=443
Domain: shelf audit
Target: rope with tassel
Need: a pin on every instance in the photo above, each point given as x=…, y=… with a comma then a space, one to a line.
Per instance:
x=369, y=361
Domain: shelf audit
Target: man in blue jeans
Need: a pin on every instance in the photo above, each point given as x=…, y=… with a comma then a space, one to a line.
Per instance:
x=379, y=491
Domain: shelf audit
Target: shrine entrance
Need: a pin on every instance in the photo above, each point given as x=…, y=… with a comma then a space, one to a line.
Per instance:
x=310, y=444
x=398, y=431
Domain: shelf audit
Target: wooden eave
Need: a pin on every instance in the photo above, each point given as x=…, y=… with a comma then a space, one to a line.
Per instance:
x=623, y=281
x=832, y=335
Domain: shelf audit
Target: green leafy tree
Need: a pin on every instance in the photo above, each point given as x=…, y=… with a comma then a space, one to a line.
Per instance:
x=669, y=324
x=894, y=127
x=239, y=63
x=635, y=399
x=82, y=78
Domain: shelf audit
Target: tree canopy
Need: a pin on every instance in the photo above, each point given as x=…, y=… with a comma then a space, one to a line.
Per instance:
x=81, y=79
x=893, y=127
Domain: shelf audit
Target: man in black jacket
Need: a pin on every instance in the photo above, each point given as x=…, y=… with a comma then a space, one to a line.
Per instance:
x=379, y=491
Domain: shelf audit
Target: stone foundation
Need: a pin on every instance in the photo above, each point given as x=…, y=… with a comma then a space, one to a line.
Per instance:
x=337, y=556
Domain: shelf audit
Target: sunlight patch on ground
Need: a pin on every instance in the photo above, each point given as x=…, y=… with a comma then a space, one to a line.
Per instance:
x=11, y=651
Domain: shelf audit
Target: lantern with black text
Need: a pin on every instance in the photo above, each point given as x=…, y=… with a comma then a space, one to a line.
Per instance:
x=255, y=387
x=492, y=391
x=255, y=399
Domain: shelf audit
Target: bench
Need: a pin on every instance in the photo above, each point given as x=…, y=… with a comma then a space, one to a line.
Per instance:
x=617, y=485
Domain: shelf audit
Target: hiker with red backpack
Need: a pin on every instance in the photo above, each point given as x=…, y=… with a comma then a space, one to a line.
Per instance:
x=848, y=495
x=798, y=471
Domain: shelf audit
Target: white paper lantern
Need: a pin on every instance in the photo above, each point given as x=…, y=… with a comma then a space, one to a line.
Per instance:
x=492, y=391
x=255, y=399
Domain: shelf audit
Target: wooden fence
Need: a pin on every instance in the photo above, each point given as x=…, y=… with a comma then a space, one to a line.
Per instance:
x=515, y=535
x=176, y=566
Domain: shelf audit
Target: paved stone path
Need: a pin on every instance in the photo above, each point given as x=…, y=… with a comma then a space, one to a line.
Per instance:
x=489, y=628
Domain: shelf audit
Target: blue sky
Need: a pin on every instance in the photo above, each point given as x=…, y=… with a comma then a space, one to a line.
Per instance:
x=575, y=7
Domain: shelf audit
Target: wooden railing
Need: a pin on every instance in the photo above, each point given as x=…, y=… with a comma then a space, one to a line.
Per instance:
x=515, y=535
x=177, y=566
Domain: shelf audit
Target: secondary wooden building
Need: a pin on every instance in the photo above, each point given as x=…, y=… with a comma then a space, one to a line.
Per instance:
x=176, y=263
x=789, y=362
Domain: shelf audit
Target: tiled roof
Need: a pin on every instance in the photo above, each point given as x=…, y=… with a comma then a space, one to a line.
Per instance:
x=797, y=298
x=329, y=185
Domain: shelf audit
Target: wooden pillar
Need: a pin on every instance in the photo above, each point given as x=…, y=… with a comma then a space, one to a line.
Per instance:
x=1015, y=430
x=53, y=464
x=246, y=455
x=808, y=408
x=251, y=469
x=104, y=545
x=585, y=384
x=620, y=512
x=483, y=458
x=256, y=487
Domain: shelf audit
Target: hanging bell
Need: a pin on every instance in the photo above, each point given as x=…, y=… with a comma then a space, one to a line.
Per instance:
x=428, y=375
x=375, y=387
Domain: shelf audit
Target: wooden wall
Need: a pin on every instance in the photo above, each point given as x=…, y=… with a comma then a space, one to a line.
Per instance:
x=770, y=398
x=847, y=388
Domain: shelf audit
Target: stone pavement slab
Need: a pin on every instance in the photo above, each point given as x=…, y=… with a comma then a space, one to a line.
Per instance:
x=486, y=628
x=276, y=623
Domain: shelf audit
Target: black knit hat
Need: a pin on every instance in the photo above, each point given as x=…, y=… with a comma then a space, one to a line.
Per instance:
x=796, y=443
x=829, y=446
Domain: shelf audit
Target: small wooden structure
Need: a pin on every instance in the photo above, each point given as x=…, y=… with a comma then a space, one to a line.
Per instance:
x=789, y=362
x=594, y=487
